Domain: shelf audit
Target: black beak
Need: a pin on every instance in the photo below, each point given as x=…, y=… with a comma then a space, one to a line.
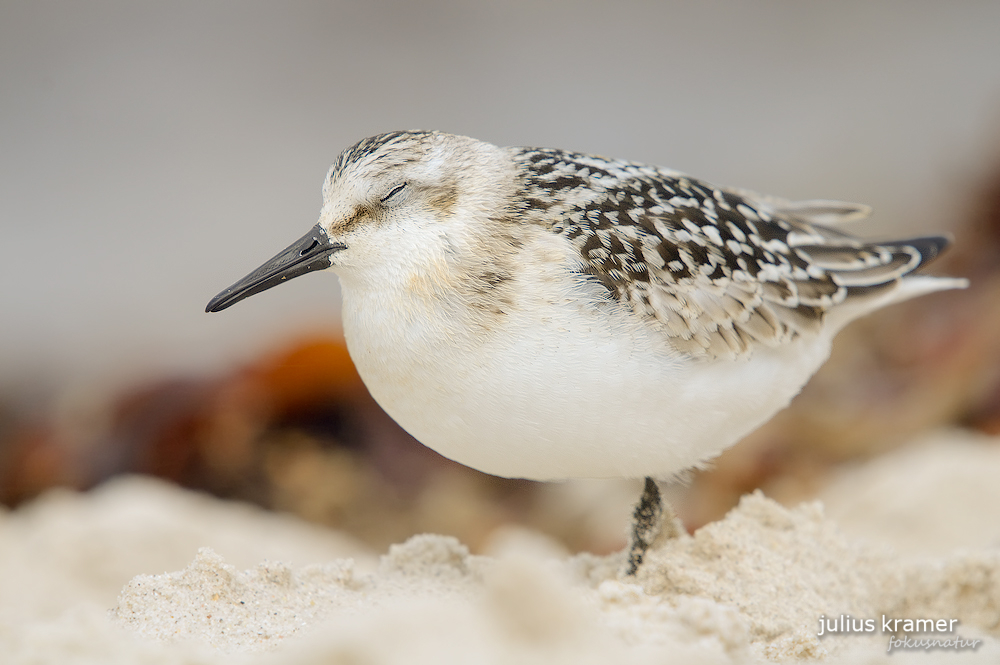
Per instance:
x=313, y=251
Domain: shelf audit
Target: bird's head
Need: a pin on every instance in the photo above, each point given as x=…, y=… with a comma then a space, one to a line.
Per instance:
x=388, y=201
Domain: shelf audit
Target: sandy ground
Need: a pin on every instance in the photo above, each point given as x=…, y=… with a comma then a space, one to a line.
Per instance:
x=912, y=535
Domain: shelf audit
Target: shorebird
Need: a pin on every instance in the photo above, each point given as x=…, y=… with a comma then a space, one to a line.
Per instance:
x=544, y=314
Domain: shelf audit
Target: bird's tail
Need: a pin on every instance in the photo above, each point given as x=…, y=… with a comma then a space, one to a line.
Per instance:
x=877, y=283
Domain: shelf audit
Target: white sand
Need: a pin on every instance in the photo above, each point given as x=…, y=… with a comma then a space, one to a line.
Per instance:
x=750, y=588
x=938, y=495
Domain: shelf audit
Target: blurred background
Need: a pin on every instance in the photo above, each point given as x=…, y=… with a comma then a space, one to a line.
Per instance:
x=153, y=153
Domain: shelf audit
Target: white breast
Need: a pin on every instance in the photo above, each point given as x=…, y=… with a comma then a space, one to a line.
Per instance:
x=565, y=385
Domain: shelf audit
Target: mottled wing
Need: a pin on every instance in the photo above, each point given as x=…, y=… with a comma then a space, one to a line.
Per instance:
x=720, y=271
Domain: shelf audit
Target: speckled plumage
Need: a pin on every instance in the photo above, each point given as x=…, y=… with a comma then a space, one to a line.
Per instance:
x=547, y=314
x=719, y=270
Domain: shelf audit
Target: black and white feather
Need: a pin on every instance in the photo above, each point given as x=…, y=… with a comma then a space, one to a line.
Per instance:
x=720, y=270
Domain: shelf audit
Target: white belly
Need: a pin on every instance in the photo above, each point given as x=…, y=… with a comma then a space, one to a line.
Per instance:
x=564, y=390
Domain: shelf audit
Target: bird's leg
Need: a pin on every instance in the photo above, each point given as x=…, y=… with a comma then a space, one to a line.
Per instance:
x=653, y=519
x=645, y=525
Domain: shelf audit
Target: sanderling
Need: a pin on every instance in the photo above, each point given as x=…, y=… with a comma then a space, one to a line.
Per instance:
x=543, y=314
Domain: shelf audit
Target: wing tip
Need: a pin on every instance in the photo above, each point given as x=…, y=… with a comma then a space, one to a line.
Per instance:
x=929, y=247
x=826, y=212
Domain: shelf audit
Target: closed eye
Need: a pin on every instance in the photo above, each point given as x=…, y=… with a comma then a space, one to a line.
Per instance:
x=395, y=190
